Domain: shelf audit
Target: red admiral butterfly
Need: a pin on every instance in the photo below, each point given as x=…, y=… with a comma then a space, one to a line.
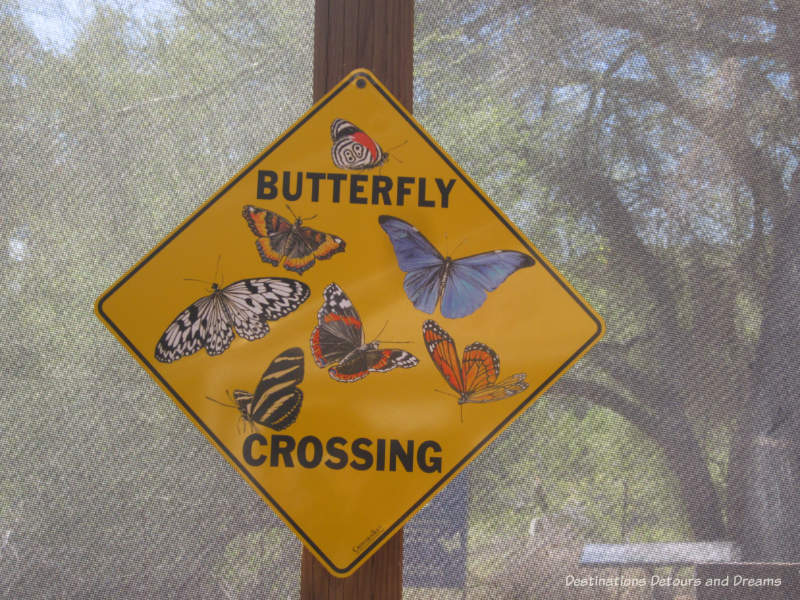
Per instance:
x=353, y=149
x=338, y=340
x=278, y=238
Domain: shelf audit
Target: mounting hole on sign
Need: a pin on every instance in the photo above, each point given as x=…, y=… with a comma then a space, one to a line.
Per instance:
x=361, y=82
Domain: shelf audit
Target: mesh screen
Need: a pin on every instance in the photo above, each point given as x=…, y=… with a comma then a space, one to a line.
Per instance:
x=648, y=149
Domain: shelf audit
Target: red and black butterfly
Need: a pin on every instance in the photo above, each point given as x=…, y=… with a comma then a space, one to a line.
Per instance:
x=279, y=238
x=353, y=149
x=474, y=377
x=338, y=340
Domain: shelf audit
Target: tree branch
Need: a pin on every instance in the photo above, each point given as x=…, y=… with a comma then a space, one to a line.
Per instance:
x=191, y=96
x=604, y=396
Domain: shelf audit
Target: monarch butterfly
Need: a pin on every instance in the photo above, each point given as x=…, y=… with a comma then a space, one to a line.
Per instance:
x=474, y=377
x=338, y=340
x=277, y=400
x=353, y=149
x=244, y=306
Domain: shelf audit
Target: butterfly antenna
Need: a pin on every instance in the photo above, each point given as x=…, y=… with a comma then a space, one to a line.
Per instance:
x=208, y=283
x=459, y=243
x=218, y=275
x=221, y=403
x=289, y=208
x=460, y=404
x=400, y=145
x=389, y=341
x=381, y=331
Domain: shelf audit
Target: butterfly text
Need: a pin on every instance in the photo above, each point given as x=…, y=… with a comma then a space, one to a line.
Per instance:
x=362, y=454
x=354, y=188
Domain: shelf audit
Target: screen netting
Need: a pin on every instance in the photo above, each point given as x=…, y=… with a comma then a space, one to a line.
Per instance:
x=648, y=149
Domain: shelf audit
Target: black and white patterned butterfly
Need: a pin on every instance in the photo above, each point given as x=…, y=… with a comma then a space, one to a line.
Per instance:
x=338, y=340
x=353, y=149
x=277, y=400
x=244, y=307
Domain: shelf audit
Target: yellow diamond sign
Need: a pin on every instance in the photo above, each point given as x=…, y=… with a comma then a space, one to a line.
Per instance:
x=350, y=321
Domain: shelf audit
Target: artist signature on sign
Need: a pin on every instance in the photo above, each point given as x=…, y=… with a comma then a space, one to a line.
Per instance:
x=372, y=535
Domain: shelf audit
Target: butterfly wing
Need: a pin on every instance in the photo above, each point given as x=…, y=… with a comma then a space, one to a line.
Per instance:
x=442, y=350
x=383, y=360
x=341, y=128
x=372, y=360
x=306, y=245
x=245, y=305
x=422, y=288
x=352, y=148
x=471, y=277
x=202, y=324
x=277, y=400
x=273, y=233
x=253, y=302
x=508, y=387
x=417, y=257
x=339, y=330
x=480, y=366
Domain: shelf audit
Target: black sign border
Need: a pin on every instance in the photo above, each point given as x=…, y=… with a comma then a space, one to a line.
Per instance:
x=359, y=76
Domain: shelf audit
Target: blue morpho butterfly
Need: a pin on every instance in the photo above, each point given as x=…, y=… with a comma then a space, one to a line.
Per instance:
x=461, y=284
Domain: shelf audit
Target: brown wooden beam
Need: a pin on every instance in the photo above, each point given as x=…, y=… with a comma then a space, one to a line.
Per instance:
x=377, y=35
x=380, y=578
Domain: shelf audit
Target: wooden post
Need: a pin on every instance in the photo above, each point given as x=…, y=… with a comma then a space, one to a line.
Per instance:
x=374, y=34
x=377, y=35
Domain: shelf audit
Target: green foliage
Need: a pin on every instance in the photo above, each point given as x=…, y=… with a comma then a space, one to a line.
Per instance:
x=594, y=469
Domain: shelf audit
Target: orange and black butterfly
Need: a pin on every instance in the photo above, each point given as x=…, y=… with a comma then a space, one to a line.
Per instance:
x=474, y=377
x=279, y=239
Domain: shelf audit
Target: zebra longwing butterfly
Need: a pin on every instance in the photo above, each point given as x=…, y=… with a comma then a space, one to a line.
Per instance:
x=277, y=399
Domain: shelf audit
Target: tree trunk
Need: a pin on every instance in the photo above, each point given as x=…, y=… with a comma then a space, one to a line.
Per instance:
x=658, y=389
x=765, y=460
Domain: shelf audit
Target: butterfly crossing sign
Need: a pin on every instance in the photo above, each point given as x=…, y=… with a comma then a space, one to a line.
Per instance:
x=350, y=321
